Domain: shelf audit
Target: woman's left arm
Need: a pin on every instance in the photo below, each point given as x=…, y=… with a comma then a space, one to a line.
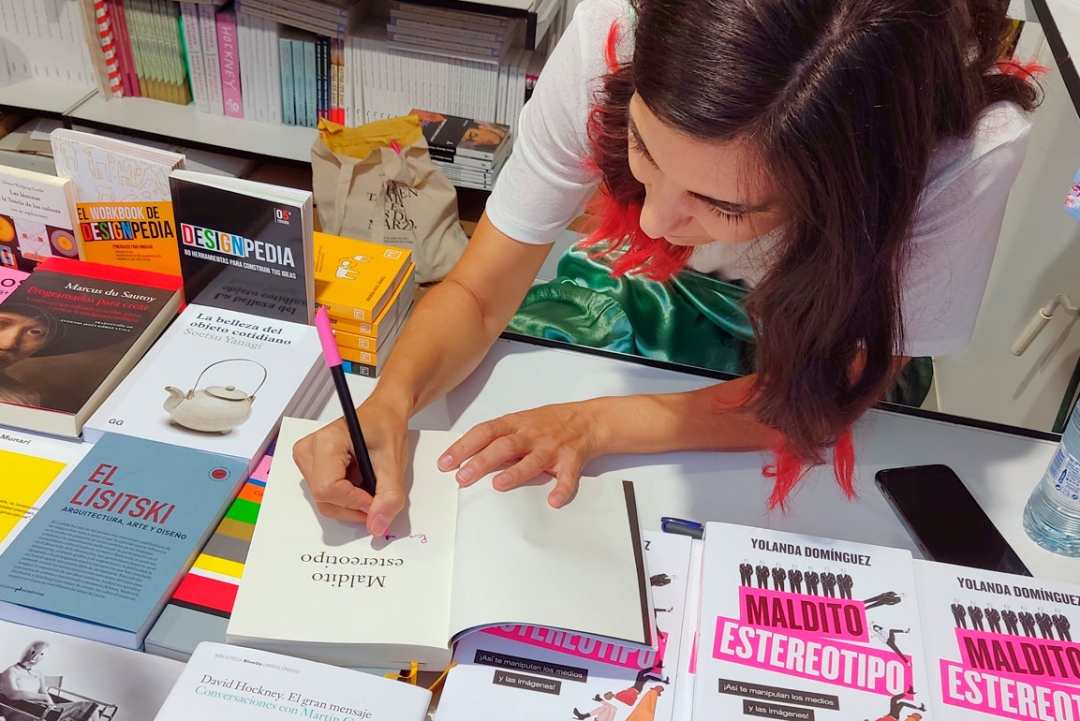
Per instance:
x=560, y=439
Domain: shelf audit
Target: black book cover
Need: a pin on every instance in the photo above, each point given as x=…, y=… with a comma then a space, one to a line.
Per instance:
x=66, y=333
x=242, y=252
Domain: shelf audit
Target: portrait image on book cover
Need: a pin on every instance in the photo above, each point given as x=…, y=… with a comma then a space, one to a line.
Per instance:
x=34, y=687
x=58, y=343
x=484, y=137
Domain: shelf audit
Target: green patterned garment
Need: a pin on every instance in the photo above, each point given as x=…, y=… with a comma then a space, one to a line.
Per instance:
x=692, y=319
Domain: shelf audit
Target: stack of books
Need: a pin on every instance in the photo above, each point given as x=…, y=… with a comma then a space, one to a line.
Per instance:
x=470, y=153
x=450, y=33
x=332, y=18
x=367, y=290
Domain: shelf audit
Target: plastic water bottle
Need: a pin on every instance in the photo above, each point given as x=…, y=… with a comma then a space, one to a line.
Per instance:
x=1052, y=515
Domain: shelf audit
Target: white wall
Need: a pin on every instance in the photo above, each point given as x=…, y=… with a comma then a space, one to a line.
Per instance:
x=1038, y=256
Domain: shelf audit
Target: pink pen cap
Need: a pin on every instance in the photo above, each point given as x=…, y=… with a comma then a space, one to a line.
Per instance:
x=326, y=337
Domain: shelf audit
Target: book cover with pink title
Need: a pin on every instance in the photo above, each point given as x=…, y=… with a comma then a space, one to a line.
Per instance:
x=229, y=63
x=999, y=645
x=808, y=629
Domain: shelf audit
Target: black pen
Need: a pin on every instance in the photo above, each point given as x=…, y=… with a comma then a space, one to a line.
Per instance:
x=333, y=360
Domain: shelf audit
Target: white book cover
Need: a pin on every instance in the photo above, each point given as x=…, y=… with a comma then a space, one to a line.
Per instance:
x=243, y=684
x=807, y=629
x=217, y=380
x=684, y=691
x=436, y=574
x=998, y=645
x=536, y=674
x=189, y=12
x=211, y=61
x=37, y=218
x=50, y=676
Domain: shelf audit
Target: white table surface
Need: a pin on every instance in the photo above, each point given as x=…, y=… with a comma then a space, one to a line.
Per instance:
x=999, y=468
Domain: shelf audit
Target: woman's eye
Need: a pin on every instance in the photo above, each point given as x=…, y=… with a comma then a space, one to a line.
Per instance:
x=729, y=217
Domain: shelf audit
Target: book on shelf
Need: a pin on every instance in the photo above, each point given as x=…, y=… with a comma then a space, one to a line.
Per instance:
x=46, y=675
x=435, y=575
x=244, y=684
x=152, y=38
x=533, y=673
x=368, y=362
x=122, y=199
x=372, y=334
x=199, y=608
x=355, y=279
x=37, y=219
x=34, y=466
x=10, y=278
x=82, y=327
x=218, y=381
x=245, y=245
x=104, y=553
x=450, y=137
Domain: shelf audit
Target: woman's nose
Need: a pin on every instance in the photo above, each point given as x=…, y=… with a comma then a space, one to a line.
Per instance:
x=663, y=212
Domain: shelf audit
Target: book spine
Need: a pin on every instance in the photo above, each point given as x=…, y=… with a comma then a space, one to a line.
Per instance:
x=123, y=46
x=300, y=21
x=288, y=102
x=320, y=78
x=108, y=47
x=272, y=32
x=208, y=25
x=189, y=14
x=311, y=83
x=449, y=32
x=299, y=84
x=247, y=85
x=232, y=97
x=432, y=14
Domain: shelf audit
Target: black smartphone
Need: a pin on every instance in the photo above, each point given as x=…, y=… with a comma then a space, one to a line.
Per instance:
x=945, y=520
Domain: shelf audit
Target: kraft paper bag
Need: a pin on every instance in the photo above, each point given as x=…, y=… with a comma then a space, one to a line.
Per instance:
x=365, y=188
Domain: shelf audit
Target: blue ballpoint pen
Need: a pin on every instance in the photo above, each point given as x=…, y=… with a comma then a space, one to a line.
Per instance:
x=681, y=527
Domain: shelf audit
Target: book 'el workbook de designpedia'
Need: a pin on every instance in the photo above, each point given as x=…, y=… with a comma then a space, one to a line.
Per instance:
x=122, y=199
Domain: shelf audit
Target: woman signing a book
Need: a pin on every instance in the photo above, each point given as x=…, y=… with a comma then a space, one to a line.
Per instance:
x=808, y=192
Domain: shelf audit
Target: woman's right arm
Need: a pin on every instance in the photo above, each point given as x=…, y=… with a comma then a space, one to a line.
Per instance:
x=445, y=338
x=543, y=186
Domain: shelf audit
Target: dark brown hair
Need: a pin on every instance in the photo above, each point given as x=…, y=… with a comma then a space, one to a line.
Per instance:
x=845, y=102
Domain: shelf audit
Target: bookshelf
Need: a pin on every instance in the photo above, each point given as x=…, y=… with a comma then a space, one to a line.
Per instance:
x=43, y=96
x=185, y=123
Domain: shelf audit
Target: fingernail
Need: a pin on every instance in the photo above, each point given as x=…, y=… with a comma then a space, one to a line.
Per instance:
x=556, y=500
x=446, y=462
x=502, y=480
x=465, y=474
x=378, y=524
x=365, y=509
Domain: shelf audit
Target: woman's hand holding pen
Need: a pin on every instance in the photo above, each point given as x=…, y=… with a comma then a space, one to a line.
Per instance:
x=325, y=458
x=557, y=440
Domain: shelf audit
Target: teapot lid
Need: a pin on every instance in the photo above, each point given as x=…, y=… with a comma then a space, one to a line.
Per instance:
x=227, y=393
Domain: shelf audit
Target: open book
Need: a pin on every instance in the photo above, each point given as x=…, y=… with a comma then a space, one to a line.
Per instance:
x=456, y=560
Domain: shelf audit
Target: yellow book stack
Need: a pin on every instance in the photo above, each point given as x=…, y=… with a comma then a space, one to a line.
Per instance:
x=367, y=290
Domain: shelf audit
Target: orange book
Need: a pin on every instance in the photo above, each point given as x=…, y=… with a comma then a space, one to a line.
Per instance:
x=369, y=336
x=354, y=279
x=373, y=358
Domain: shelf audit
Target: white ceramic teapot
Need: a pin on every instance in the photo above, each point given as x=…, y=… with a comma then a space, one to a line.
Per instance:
x=216, y=409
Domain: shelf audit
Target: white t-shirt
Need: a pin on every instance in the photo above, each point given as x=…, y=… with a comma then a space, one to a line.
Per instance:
x=545, y=185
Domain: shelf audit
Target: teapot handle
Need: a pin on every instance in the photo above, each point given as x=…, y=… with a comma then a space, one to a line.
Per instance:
x=229, y=360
